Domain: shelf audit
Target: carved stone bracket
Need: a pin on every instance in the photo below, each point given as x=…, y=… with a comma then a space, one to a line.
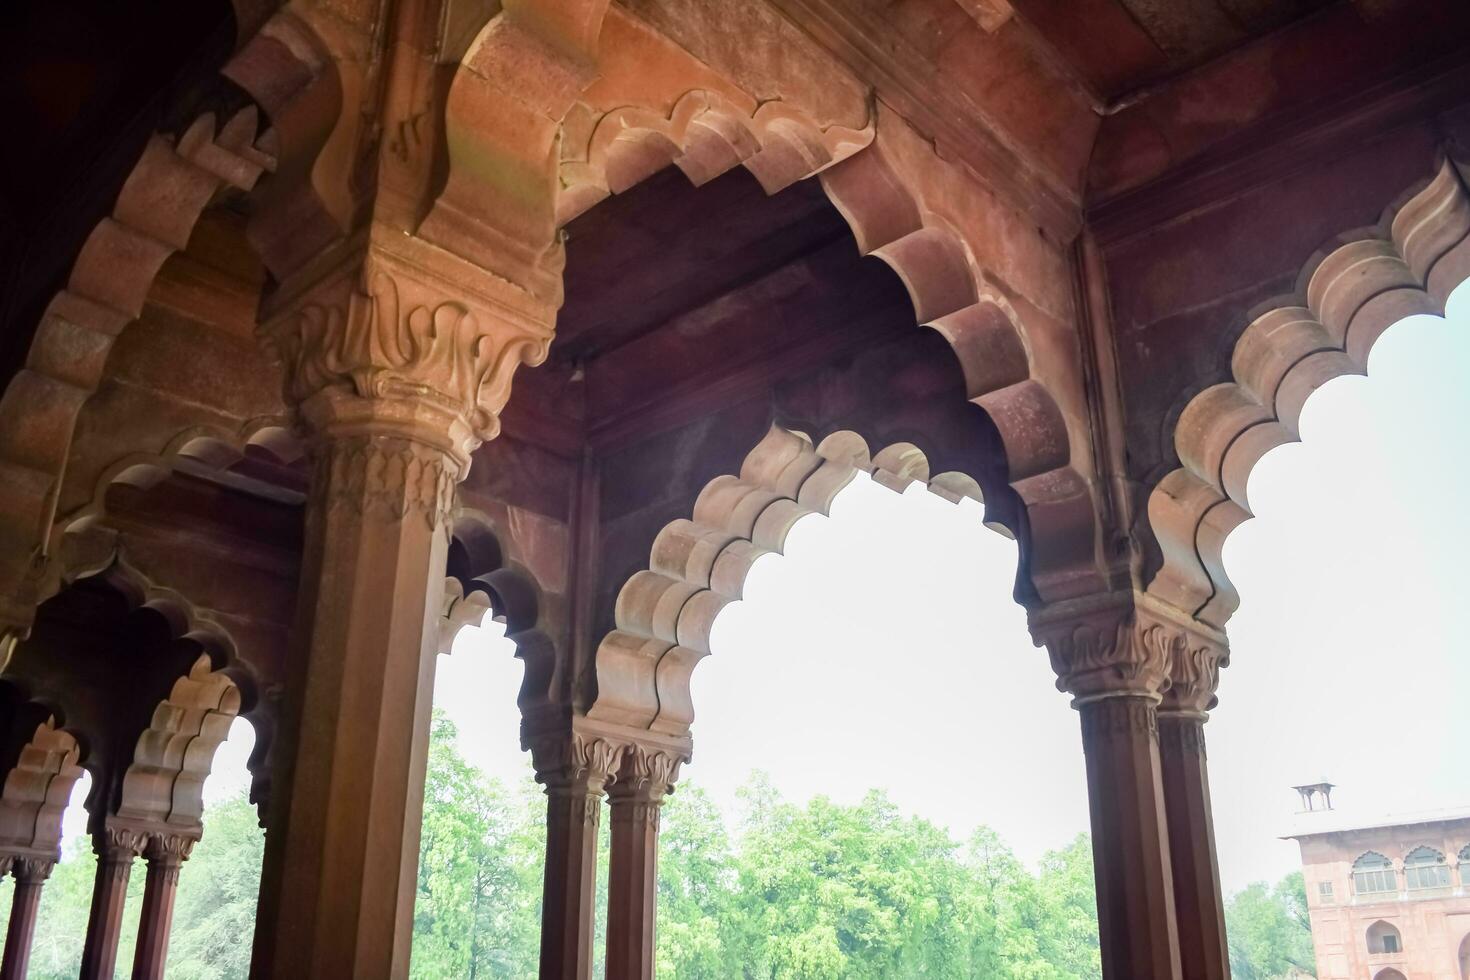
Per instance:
x=1124, y=645
x=392, y=335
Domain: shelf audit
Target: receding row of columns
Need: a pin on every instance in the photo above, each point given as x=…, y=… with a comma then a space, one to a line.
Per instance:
x=116, y=850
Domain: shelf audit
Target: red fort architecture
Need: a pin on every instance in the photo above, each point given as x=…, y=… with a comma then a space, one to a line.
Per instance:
x=329, y=326
x=1388, y=896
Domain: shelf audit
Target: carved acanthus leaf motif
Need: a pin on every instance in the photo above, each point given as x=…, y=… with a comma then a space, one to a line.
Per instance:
x=573, y=762
x=1128, y=647
x=30, y=870
x=1194, y=674
x=385, y=329
x=647, y=774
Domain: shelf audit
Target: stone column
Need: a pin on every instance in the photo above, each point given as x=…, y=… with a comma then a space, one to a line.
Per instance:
x=1199, y=906
x=166, y=854
x=645, y=777
x=30, y=874
x=1113, y=654
x=115, y=851
x=575, y=770
x=397, y=361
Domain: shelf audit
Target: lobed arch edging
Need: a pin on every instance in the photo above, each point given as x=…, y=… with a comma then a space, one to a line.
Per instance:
x=36, y=792
x=704, y=135
x=504, y=590
x=664, y=614
x=161, y=200
x=1346, y=299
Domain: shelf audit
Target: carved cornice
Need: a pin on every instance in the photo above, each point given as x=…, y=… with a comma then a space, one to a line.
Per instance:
x=1125, y=646
x=574, y=763
x=404, y=338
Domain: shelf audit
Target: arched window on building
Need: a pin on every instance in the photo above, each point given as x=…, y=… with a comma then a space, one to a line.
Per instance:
x=1373, y=874
x=1383, y=937
x=1465, y=866
x=1465, y=958
x=1389, y=974
x=1425, y=869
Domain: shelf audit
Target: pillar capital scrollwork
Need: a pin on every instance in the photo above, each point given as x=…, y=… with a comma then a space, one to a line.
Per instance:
x=170, y=848
x=647, y=774
x=1194, y=675
x=389, y=335
x=119, y=842
x=32, y=869
x=1125, y=645
x=567, y=761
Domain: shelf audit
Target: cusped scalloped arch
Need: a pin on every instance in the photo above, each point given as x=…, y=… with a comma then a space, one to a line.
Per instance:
x=1346, y=299
x=664, y=614
x=160, y=202
x=705, y=135
x=506, y=591
x=37, y=790
x=164, y=784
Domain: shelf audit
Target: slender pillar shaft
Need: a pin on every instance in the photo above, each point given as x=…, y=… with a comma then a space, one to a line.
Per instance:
x=166, y=856
x=1130, y=845
x=644, y=778
x=574, y=772
x=342, y=853
x=109, y=891
x=1200, y=909
x=30, y=875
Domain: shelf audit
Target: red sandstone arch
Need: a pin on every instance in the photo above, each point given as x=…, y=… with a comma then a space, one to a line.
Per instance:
x=506, y=591
x=37, y=790
x=706, y=134
x=164, y=785
x=664, y=614
x=161, y=200
x=1346, y=299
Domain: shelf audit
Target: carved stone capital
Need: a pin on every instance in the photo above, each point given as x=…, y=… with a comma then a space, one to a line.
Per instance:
x=1194, y=675
x=394, y=335
x=119, y=843
x=646, y=775
x=32, y=870
x=571, y=762
x=1121, y=645
x=169, y=848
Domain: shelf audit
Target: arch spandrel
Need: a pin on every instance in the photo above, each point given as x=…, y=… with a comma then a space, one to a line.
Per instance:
x=1347, y=297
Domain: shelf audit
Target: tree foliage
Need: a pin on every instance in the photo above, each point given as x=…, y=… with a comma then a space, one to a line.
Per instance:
x=779, y=891
x=1269, y=931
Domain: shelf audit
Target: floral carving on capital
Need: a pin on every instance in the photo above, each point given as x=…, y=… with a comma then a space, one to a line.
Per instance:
x=647, y=774
x=422, y=331
x=572, y=762
x=1194, y=675
x=1105, y=656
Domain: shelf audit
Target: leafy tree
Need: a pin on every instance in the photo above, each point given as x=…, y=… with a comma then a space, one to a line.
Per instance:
x=1269, y=931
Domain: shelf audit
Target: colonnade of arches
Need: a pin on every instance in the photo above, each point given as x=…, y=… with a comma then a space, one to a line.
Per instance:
x=412, y=279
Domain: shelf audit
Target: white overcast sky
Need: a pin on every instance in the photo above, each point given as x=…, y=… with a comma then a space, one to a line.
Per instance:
x=884, y=649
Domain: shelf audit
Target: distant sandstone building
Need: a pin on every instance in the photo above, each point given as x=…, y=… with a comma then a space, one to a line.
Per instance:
x=1389, y=899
